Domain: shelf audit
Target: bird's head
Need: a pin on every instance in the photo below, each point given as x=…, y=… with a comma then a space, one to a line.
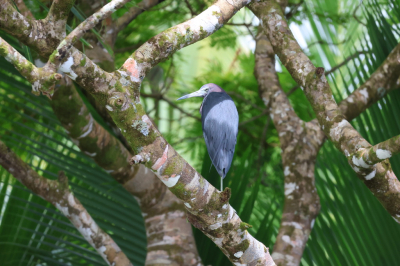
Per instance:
x=204, y=90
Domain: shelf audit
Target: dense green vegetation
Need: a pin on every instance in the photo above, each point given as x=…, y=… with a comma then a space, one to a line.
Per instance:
x=352, y=227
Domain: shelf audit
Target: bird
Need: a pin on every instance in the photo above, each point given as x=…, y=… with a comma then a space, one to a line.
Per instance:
x=220, y=121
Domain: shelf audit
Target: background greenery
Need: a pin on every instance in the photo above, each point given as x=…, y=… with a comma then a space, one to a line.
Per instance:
x=352, y=228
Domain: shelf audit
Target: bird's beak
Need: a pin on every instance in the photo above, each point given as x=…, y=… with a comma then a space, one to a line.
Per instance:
x=199, y=93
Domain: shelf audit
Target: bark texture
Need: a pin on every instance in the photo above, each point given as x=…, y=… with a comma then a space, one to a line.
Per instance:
x=170, y=239
x=170, y=244
x=381, y=82
x=300, y=143
x=57, y=193
x=208, y=208
x=379, y=178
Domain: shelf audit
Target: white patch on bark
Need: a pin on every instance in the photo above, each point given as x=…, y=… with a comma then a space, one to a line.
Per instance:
x=218, y=241
x=205, y=188
x=370, y=175
x=238, y=254
x=66, y=68
x=90, y=154
x=289, y=188
x=85, y=218
x=141, y=126
x=63, y=210
x=109, y=108
x=36, y=86
x=188, y=205
x=364, y=93
x=71, y=200
x=88, y=128
x=225, y=206
x=206, y=21
x=360, y=162
x=171, y=181
x=287, y=171
x=101, y=249
x=312, y=223
x=231, y=212
x=215, y=226
x=255, y=250
x=356, y=169
x=286, y=239
x=293, y=224
x=383, y=154
x=335, y=132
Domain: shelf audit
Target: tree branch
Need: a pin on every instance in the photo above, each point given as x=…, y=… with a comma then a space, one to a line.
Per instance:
x=294, y=10
x=39, y=77
x=120, y=91
x=368, y=157
x=23, y=9
x=200, y=197
x=88, y=24
x=333, y=69
x=14, y=23
x=162, y=97
x=168, y=42
x=166, y=220
x=300, y=143
x=383, y=185
x=134, y=12
x=57, y=193
x=59, y=12
x=254, y=118
x=345, y=61
x=382, y=81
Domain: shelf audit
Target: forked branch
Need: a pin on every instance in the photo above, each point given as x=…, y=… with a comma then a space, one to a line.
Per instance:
x=381, y=179
x=57, y=193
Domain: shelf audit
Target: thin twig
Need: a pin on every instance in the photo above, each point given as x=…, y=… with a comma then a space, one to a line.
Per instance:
x=293, y=89
x=294, y=10
x=333, y=69
x=355, y=16
x=345, y=61
x=58, y=193
x=238, y=24
x=234, y=59
x=254, y=118
x=192, y=12
x=326, y=43
x=162, y=97
x=239, y=96
x=85, y=26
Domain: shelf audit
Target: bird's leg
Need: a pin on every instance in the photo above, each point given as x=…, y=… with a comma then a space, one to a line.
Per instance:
x=222, y=181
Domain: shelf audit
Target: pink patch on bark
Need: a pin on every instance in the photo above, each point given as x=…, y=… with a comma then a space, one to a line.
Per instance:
x=131, y=67
x=160, y=161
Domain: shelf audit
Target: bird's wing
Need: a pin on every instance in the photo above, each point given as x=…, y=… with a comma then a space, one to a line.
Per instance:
x=220, y=127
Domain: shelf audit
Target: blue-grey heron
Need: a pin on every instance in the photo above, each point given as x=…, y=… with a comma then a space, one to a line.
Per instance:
x=220, y=119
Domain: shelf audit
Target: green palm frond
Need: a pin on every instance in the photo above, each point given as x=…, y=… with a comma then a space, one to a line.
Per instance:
x=32, y=231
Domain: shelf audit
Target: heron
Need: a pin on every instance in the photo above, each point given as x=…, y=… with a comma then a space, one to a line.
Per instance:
x=220, y=120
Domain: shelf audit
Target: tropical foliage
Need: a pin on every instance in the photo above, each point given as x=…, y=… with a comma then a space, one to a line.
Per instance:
x=350, y=38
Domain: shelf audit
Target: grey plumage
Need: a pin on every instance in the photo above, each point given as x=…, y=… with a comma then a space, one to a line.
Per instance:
x=220, y=122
